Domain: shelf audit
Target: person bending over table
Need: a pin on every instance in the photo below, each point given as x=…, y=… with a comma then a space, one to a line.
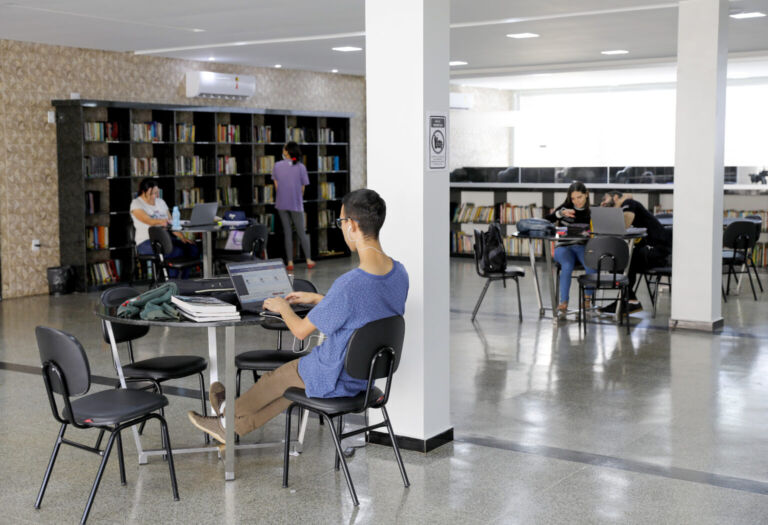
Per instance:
x=148, y=209
x=574, y=210
x=652, y=251
x=376, y=289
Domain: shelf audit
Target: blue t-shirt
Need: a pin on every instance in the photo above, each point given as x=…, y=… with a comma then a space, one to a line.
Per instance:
x=354, y=300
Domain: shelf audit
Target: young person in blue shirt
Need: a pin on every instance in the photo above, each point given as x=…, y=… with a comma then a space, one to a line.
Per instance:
x=376, y=289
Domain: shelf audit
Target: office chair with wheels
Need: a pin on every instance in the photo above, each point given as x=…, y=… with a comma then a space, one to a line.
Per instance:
x=373, y=352
x=510, y=272
x=162, y=246
x=154, y=370
x=609, y=256
x=67, y=373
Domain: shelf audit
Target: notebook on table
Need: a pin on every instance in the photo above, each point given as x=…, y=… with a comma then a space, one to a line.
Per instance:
x=610, y=221
x=257, y=281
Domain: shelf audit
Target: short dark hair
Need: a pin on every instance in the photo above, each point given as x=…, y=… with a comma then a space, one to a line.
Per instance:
x=368, y=209
x=294, y=151
x=146, y=184
x=614, y=193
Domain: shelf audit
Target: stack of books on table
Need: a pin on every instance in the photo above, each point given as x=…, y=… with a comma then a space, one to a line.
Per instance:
x=204, y=309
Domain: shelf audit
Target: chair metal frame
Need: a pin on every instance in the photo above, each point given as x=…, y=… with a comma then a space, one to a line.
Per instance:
x=616, y=269
x=513, y=273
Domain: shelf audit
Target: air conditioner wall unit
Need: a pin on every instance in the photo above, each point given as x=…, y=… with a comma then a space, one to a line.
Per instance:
x=219, y=85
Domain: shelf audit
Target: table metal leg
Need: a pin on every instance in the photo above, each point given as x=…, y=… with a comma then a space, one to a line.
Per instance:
x=207, y=255
x=547, y=247
x=213, y=357
x=532, y=258
x=229, y=412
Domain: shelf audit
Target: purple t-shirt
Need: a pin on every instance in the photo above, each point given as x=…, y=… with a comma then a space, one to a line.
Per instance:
x=290, y=178
x=354, y=300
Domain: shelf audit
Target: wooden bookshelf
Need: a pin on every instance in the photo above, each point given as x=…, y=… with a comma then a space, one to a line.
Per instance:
x=197, y=154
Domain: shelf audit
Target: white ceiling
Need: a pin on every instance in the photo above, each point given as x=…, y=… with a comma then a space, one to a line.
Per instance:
x=299, y=34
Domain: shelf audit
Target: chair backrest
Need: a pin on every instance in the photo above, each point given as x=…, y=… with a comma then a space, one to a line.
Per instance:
x=758, y=221
x=740, y=235
x=114, y=297
x=302, y=285
x=67, y=354
x=477, y=249
x=160, y=237
x=255, y=239
x=607, y=254
x=367, y=341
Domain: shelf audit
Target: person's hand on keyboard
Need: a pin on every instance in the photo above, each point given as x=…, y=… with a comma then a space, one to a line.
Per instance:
x=304, y=298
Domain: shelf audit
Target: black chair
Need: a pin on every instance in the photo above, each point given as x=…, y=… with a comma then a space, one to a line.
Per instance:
x=254, y=246
x=758, y=221
x=162, y=246
x=739, y=240
x=267, y=360
x=155, y=370
x=510, y=272
x=373, y=352
x=66, y=372
x=149, y=260
x=609, y=256
x=654, y=276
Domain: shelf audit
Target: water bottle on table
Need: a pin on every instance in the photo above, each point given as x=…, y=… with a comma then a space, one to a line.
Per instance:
x=176, y=218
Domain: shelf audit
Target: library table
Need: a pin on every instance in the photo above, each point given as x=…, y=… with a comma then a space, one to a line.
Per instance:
x=208, y=232
x=216, y=367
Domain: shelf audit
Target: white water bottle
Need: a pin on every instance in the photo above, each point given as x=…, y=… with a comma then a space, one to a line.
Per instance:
x=176, y=218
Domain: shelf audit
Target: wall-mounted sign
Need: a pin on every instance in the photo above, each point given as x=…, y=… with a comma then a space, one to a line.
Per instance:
x=437, y=147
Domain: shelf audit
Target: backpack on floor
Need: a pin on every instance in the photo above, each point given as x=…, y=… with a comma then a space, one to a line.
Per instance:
x=489, y=246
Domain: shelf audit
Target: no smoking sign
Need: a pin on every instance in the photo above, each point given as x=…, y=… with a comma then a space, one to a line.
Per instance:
x=438, y=141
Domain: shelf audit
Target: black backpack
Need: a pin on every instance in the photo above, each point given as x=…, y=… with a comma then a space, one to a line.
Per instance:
x=489, y=249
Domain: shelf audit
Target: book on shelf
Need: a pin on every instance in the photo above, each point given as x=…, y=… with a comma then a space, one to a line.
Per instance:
x=185, y=132
x=203, y=304
x=326, y=218
x=266, y=218
x=510, y=214
x=92, y=202
x=194, y=165
x=468, y=213
x=327, y=136
x=105, y=272
x=144, y=167
x=101, y=167
x=328, y=163
x=147, y=131
x=463, y=244
x=97, y=237
x=265, y=164
x=101, y=131
x=295, y=134
x=226, y=165
x=264, y=194
x=327, y=190
x=227, y=196
x=228, y=133
x=263, y=133
x=190, y=197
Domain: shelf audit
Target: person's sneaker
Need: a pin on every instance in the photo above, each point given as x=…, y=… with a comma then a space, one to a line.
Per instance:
x=608, y=309
x=208, y=424
x=216, y=397
x=562, y=310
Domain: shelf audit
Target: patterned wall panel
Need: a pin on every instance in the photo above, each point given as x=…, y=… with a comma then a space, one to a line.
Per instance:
x=31, y=75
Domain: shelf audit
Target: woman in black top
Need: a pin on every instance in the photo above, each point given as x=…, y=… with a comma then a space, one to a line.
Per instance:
x=574, y=210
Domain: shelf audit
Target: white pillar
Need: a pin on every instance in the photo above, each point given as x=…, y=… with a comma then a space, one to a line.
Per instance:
x=702, y=51
x=407, y=49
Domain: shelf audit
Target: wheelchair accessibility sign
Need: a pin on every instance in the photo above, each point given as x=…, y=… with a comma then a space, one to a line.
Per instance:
x=438, y=141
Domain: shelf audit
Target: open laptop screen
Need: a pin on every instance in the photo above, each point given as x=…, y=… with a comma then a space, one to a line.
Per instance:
x=255, y=282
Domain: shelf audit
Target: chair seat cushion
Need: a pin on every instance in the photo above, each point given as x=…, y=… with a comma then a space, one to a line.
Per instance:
x=110, y=407
x=731, y=255
x=166, y=367
x=510, y=271
x=332, y=405
x=266, y=359
x=606, y=280
x=182, y=262
x=661, y=270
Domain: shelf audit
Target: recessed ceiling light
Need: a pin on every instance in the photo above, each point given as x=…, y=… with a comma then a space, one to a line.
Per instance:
x=457, y=63
x=278, y=66
x=211, y=59
x=334, y=70
x=523, y=35
x=614, y=52
x=748, y=14
x=347, y=49
x=196, y=30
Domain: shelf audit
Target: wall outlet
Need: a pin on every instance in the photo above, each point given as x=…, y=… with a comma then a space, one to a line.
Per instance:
x=51, y=117
x=35, y=245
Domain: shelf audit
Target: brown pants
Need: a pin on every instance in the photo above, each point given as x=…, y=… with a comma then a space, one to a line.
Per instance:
x=264, y=400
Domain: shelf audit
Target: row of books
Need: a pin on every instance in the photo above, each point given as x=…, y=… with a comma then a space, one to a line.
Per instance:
x=97, y=237
x=265, y=164
x=469, y=213
x=463, y=244
x=202, y=308
x=227, y=196
x=147, y=131
x=228, y=133
x=100, y=167
x=326, y=136
x=194, y=165
x=326, y=218
x=326, y=163
x=264, y=194
x=101, y=131
x=263, y=133
x=760, y=255
x=190, y=197
x=92, y=202
x=266, y=218
x=327, y=190
x=185, y=132
x=296, y=135
x=510, y=214
x=226, y=165
x=105, y=272
x=144, y=166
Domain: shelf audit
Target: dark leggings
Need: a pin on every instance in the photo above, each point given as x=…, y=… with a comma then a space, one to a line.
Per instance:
x=297, y=217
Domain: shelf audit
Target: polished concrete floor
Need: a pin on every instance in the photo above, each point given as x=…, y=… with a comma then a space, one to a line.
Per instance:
x=551, y=427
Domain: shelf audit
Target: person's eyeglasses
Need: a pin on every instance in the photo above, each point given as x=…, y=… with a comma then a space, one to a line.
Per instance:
x=340, y=221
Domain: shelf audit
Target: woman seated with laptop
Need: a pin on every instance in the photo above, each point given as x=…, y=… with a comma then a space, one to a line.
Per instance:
x=148, y=209
x=574, y=210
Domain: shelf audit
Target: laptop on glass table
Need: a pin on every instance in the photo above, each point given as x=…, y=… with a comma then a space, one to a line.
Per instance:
x=610, y=221
x=257, y=281
x=203, y=214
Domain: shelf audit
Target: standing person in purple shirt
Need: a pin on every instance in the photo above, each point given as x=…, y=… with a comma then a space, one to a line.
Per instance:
x=290, y=178
x=376, y=289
